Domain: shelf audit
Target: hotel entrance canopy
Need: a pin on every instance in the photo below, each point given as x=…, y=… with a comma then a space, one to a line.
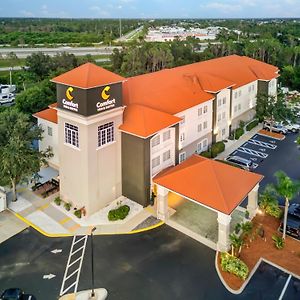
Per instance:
x=213, y=184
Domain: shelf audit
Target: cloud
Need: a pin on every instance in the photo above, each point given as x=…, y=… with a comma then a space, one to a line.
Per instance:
x=224, y=8
x=26, y=13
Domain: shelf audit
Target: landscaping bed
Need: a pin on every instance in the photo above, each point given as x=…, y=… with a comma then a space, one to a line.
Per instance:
x=288, y=257
x=274, y=135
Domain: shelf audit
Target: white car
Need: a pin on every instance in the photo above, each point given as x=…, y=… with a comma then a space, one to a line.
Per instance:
x=7, y=98
x=275, y=128
x=290, y=126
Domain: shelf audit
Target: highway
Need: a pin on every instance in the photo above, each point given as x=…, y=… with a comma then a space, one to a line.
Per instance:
x=78, y=51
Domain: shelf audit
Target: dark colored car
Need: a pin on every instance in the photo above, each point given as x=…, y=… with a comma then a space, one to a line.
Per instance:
x=12, y=294
x=293, y=221
x=16, y=294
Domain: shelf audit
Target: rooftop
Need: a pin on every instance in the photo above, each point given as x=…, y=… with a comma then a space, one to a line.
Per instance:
x=214, y=184
x=49, y=114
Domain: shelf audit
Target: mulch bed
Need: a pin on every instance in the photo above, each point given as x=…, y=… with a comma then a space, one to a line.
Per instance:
x=288, y=257
x=274, y=135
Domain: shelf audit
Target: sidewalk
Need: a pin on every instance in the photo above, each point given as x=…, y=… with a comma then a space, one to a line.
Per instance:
x=230, y=146
x=54, y=221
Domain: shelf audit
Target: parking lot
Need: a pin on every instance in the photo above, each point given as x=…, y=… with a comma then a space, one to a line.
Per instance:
x=257, y=149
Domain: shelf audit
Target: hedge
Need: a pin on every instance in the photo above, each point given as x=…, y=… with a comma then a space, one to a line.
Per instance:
x=234, y=265
x=217, y=148
x=251, y=125
x=206, y=154
x=119, y=213
x=238, y=133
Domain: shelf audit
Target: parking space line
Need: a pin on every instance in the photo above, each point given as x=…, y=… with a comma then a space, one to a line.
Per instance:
x=253, y=152
x=262, y=144
x=44, y=206
x=285, y=287
x=64, y=220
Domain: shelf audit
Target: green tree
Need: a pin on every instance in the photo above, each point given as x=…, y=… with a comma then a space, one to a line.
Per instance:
x=36, y=98
x=236, y=244
x=39, y=64
x=287, y=188
x=18, y=159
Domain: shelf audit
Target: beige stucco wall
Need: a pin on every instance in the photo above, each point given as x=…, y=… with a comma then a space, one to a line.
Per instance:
x=50, y=141
x=90, y=176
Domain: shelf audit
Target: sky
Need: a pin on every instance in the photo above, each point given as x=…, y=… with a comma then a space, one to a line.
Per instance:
x=150, y=8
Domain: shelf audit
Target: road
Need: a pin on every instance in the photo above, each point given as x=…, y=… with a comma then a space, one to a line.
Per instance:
x=159, y=264
x=78, y=51
x=128, y=36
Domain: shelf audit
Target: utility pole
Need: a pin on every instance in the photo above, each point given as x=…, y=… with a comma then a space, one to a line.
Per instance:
x=92, y=262
x=120, y=27
x=10, y=76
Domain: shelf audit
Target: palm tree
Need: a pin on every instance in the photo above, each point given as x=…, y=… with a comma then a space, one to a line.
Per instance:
x=288, y=189
x=236, y=244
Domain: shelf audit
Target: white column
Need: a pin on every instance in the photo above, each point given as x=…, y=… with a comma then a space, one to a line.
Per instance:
x=252, y=206
x=162, y=203
x=224, y=231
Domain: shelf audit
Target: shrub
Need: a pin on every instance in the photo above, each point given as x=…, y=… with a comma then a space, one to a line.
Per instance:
x=206, y=154
x=237, y=228
x=77, y=213
x=247, y=214
x=57, y=201
x=238, y=133
x=251, y=125
x=217, y=148
x=246, y=228
x=278, y=241
x=67, y=206
x=234, y=265
x=242, y=124
x=274, y=210
x=119, y=213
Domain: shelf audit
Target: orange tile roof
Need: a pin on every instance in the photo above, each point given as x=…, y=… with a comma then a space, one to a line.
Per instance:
x=167, y=90
x=214, y=184
x=87, y=76
x=144, y=121
x=48, y=114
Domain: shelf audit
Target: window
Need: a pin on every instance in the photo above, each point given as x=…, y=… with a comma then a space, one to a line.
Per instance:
x=239, y=106
x=249, y=89
x=155, y=141
x=223, y=131
x=204, y=143
x=182, y=122
x=219, y=102
x=235, y=94
x=219, y=117
x=182, y=137
x=167, y=155
x=155, y=162
x=235, y=108
x=205, y=109
x=166, y=135
x=224, y=100
x=106, y=134
x=182, y=157
x=205, y=125
x=199, y=127
x=240, y=93
x=199, y=147
x=71, y=135
x=49, y=129
x=253, y=87
x=199, y=111
x=223, y=115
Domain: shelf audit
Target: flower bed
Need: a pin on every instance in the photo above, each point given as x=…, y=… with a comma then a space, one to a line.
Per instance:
x=234, y=266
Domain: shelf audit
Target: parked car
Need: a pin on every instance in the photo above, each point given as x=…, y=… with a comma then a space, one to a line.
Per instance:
x=16, y=294
x=240, y=161
x=7, y=98
x=290, y=126
x=12, y=294
x=293, y=221
x=275, y=128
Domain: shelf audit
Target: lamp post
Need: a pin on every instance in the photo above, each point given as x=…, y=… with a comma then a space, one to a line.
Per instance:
x=92, y=254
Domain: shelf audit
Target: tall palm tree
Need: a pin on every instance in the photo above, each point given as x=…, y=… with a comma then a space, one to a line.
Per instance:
x=288, y=189
x=236, y=244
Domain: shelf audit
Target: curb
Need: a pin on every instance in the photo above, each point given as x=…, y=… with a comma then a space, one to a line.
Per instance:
x=270, y=136
x=55, y=235
x=241, y=289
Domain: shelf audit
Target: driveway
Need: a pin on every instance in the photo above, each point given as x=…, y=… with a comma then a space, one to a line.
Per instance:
x=159, y=264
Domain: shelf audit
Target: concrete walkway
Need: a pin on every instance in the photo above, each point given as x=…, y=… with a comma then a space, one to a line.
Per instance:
x=230, y=146
x=53, y=221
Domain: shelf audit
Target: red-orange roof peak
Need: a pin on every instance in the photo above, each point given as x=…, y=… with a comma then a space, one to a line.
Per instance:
x=87, y=76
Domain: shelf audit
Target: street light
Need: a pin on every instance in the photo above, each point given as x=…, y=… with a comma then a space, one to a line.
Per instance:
x=92, y=254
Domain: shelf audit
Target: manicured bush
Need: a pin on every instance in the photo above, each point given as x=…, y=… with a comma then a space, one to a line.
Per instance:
x=119, y=213
x=217, y=148
x=67, y=206
x=77, y=213
x=274, y=210
x=57, y=201
x=206, y=154
x=234, y=265
x=278, y=241
x=238, y=133
x=251, y=125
